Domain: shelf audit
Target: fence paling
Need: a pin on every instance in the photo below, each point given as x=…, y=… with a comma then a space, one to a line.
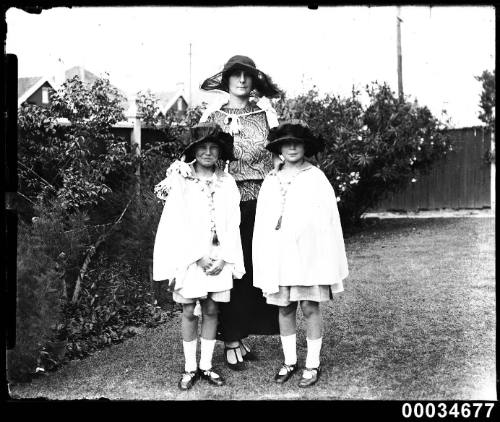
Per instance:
x=461, y=180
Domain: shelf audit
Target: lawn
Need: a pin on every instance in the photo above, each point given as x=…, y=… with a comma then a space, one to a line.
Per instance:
x=416, y=322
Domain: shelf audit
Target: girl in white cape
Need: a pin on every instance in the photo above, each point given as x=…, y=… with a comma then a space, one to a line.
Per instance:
x=298, y=245
x=197, y=245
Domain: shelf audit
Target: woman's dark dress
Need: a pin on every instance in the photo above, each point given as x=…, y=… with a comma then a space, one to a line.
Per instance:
x=247, y=312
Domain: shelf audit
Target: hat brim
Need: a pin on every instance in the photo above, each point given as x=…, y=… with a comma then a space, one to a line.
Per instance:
x=225, y=148
x=312, y=145
x=262, y=83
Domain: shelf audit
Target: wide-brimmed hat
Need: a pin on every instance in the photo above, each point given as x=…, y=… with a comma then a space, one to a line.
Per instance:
x=209, y=131
x=262, y=83
x=294, y=130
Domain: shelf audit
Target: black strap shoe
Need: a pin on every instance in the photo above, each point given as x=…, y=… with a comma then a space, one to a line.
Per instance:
x=282, y=376
x=188, y=379
x=246, y=353
x=212, y=377
x=310, y=377
x=240, y=364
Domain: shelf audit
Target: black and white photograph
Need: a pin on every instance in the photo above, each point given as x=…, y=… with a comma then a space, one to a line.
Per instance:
x=252, y=203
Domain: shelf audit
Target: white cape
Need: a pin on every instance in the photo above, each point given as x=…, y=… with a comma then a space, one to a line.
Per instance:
x=309, y=248
x=184, y=235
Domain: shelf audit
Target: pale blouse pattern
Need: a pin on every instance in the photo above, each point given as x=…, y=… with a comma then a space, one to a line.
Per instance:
x=184, y=232
x=308, y=249
x=250, y=127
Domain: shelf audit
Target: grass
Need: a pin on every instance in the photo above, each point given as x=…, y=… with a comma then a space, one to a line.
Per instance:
x=416, y=322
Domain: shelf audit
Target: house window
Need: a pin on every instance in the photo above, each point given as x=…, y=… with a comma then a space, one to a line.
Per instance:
x=45, y=95
x=179, y=103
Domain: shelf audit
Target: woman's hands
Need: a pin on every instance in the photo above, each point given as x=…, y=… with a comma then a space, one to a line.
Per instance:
x=211, y=266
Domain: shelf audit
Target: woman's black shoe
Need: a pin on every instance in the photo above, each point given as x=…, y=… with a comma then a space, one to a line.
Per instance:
x=240, y=364
x=212, y=377
x=281, y=378
x=249, y=355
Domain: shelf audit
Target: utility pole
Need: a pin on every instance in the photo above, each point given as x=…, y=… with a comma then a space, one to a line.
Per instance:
x=189, y=74
x=400, y=57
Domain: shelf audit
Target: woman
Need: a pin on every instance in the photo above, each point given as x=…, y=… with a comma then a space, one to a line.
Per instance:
x=249, y=123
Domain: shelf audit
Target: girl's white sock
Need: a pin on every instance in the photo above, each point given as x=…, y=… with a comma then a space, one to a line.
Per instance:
x=207, y=351
x=190, y=355
x=289, y=344
x=313, y=350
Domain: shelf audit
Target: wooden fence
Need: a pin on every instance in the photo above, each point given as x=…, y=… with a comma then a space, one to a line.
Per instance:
x=461, y=180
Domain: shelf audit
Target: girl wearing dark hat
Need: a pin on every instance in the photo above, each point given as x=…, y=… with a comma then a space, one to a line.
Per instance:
x=298, y=246
x=197, y=245
x=249, y=122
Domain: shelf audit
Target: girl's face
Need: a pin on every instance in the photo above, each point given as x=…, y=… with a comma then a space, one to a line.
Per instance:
x=240, y=83
x=293, y=152
x=207, y=153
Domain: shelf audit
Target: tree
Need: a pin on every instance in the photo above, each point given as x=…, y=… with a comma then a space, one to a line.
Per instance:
x=487, y=98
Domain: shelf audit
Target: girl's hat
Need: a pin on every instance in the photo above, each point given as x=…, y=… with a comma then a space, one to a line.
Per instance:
x=209, y=131
x=261, y=82
x=294, y=130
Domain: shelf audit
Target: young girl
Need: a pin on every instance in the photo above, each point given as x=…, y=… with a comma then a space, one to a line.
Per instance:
x=298, y=246
x=197, y=246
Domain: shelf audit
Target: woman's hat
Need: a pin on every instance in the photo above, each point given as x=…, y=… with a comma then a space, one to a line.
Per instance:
x=294, y=130
x=209, y=131
x=261, y=82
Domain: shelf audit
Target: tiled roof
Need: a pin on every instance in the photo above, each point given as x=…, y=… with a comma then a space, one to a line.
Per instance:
x=23, y=84
x=166, y=99
x=88, y=76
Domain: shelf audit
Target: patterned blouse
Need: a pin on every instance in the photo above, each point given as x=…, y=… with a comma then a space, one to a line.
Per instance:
x=253, y=161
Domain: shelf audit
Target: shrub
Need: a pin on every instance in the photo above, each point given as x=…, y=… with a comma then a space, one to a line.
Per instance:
x=40, y=287
x=113, y=299
x=370, y=151
x=77, y=163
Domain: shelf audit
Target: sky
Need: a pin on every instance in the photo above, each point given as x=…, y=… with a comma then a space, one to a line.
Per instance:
x=333, y=48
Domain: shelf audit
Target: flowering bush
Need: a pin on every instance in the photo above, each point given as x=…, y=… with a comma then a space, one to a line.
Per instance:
x=370, y=150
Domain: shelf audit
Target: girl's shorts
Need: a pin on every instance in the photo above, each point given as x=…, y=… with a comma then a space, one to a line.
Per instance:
x=289, y=294
x=223, y=296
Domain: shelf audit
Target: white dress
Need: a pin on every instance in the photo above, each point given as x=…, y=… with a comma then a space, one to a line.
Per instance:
x=308, y=248
x=192, y=207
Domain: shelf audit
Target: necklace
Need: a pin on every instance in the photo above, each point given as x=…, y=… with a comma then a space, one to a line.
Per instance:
x=208, y=186
x=284, y=186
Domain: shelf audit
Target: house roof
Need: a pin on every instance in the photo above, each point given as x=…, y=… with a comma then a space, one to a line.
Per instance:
x=166, y=99
x=84, y=74
x=26, y=87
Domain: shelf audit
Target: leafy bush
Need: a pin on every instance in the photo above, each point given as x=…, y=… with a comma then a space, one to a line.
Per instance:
x=370, y=151
x=113, y=301
x=79, y=162
x=41, y=285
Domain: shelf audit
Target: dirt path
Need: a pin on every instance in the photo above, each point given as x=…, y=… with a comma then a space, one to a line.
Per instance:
x=416, y=321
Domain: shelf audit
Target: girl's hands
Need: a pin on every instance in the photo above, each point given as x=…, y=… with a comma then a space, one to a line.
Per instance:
x=205, y=262
x=216, y=267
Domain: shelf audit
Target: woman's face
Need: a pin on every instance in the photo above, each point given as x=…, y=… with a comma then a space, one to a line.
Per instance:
x=207, y=153
x=240, y=83
x=293, y=152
